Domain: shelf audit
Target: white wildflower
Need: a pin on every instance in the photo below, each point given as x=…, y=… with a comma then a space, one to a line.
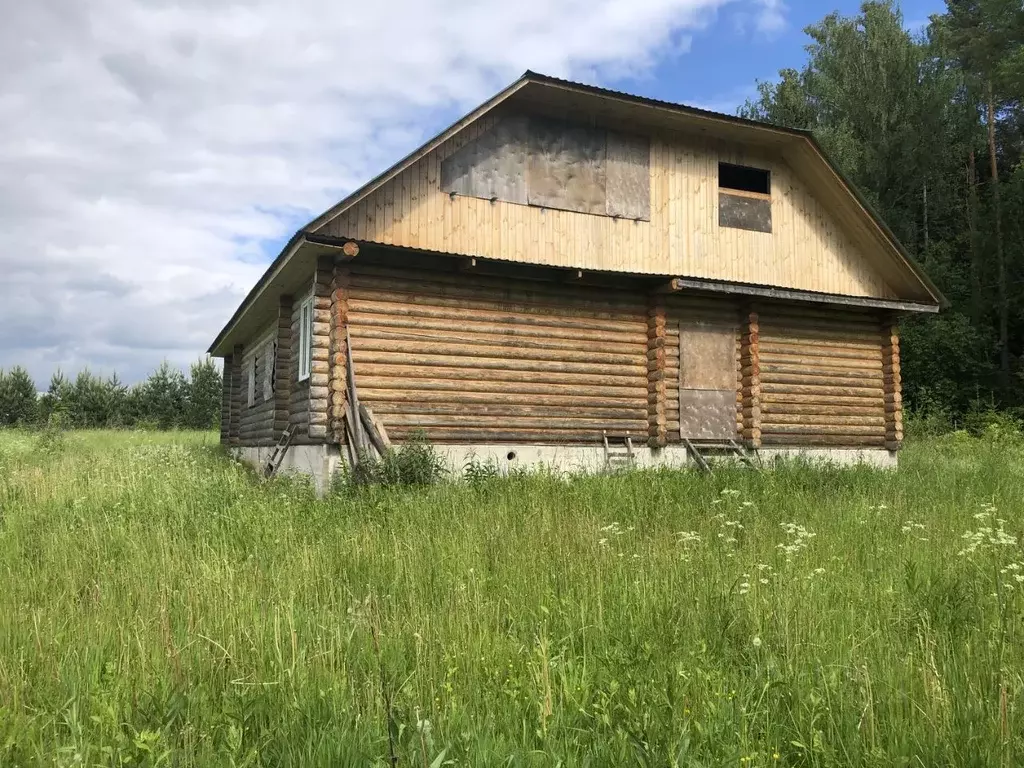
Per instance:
x=756, y=642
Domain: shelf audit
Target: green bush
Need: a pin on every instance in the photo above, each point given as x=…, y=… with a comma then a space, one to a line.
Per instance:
x=414, y=463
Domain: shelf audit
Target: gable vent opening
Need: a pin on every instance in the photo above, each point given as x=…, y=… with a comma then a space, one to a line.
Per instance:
x=742, y=178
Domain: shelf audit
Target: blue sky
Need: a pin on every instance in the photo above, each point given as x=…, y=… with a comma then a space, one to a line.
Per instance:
x=206, y=133
x=724, y=62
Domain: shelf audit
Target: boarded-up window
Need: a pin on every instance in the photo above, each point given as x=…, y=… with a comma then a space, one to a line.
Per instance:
x=555, y=164
x=268, y=370
x=744, y=198
x=707, y=380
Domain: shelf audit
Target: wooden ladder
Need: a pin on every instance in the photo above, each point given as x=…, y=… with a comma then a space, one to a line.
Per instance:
x=618, y=452
x=720, y=448
x=277, y=455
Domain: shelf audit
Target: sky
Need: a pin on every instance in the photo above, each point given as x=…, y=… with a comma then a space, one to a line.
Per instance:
x=156, y=154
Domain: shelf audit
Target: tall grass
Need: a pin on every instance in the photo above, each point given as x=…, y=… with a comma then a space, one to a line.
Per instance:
x=160, y=606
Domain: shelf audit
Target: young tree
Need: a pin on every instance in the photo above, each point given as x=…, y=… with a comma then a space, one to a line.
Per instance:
x=204, y=392
x=17, y=398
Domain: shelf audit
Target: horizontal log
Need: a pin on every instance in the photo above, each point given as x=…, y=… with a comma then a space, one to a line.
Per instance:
x=772, y=419
x=774, y=370
x=823, y=441
x=461, y=324
x=769, y=388
x=559, y=397
x=819, y=337
x=437, y=307
x=821, y=429
x=405, y=339
x=317, y=431
x=318, y=415
x=366, y=360
x=893, y=445
x=525, y=423
x=461, y=434
x=317, y=393
x=514, y=291
x=780, y=379
x=785, y=313
x=373, y=349
x=804, y=362
x=820, y=409
x=513, y=412
x=400, y=376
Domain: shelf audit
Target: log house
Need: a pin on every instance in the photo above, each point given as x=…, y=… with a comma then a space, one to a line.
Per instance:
x=567, y=262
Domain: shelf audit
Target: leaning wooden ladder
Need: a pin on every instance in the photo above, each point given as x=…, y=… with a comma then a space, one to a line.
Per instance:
x=618, y=452
x=727, y=448
x=277, y=455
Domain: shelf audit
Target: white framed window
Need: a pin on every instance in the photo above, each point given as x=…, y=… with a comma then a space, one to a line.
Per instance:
x=305, y=338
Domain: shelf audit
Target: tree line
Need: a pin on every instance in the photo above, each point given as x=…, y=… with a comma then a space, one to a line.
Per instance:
x=168, y=399
x=929, y=126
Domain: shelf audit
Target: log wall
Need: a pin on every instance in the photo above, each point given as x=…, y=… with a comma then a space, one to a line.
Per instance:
x=468, y=358
x=657, y=363
x=320, y=357
x=821, y=378
x=225, y=402
x=283, y=366
x=750, y=379
x=893, y=384
x=471, y=358
x=237, y=393
x=256, y=423
x=298, y=396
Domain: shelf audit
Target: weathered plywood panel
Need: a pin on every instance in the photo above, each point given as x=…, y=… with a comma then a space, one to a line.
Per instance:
x=629, y=176
x=707, y=414
x=493, y=166
x=566, y=167
x=748, y=213
x=707, y=356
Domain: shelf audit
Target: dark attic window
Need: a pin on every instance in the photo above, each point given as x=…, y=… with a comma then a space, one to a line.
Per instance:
x=744, y=198
x=744, y=179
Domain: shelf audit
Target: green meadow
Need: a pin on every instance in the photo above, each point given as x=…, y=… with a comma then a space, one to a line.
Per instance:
x=160, y=605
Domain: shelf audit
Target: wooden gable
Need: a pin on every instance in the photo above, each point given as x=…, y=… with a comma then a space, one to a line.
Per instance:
x=466, y=198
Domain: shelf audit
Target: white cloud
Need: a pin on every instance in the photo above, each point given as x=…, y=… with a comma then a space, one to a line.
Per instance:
x=771, y=17
x=151, y=149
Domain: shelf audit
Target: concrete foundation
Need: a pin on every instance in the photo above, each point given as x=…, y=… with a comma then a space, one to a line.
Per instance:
x=319, y=462
x=322, y=462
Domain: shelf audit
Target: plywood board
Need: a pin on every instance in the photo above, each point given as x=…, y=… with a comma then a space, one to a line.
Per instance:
x=567, y=167
x=707, y=414
x=629, y=176
x=707, y=356
x=493, y=166
x=738, y=212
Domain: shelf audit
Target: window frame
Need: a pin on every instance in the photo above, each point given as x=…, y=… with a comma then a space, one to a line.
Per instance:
x=766, y=173
x=269, y=364
x=254, y=367
x=305, y=339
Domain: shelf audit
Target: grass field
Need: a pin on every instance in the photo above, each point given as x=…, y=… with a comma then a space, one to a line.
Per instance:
x=160, y=606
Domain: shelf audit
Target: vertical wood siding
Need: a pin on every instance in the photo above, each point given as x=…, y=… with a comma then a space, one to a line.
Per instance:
x=821, y=378
x=806, y=250
x=475, y=359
